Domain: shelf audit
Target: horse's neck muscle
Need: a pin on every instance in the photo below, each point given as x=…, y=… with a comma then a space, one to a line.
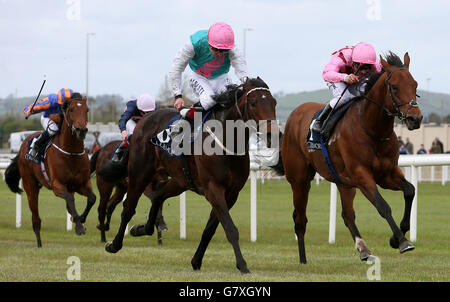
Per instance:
x=68, y=141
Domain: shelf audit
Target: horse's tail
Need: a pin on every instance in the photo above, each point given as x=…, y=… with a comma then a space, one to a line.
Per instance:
x=93, y=160
x=12, y=175
x=278, y=167
x=113, y=172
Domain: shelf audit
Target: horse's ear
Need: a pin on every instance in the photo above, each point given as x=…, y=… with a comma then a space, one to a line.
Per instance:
x=85, y=99
x=406, y=60
x=385, y=65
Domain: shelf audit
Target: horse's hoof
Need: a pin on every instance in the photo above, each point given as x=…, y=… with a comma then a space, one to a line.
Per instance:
x=137, y=230
x=159, y=242
x=80, y=229
x=244, y=271
x=405, y=246
x=196, y=265
x=365, y=255
x=109, y=247
x=394, y=242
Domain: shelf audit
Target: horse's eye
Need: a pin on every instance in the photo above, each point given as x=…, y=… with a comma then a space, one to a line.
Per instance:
x=395, y=88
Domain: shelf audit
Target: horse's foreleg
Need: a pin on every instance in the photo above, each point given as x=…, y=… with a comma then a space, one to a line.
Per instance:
x=369, y=189
x=129, y=209
x=32, y=190
x=170, y=189
x=216, y=196
x=209, y=232
x=348, y=214
x=61, y=191
x=105, y=191
x=117, y=198
x=87, y=191
x=300, y=195
x=397, y=182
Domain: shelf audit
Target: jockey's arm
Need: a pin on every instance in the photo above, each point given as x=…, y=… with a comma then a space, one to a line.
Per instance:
x=239, y=64
x=331, y=72
x=181, y=60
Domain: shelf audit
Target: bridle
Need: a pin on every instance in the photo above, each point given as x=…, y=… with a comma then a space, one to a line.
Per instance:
x=73, y=129
x=397, y=113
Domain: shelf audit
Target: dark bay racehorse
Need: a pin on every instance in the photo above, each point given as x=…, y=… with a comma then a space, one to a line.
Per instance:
x=66, y=163
x=363, y=150
x=218, y=177
x=107, y=202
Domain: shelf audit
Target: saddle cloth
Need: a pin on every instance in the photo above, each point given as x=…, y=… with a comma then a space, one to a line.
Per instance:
x=313, y=138
x=164, y=138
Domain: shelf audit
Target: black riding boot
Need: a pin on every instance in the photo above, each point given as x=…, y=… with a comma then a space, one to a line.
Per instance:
x=318, y=124
x=118, y=155
x=38, y=144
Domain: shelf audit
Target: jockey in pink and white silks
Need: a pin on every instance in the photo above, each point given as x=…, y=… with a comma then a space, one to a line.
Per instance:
x=209, y=54
x=346, y=68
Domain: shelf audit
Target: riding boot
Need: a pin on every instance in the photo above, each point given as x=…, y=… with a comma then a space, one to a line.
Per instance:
x=319, y=123
x=120, y=152
x=38, y=144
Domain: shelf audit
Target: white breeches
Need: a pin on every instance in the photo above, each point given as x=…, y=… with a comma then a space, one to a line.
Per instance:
x=205, y=88
x=49, y=125
x=337, y=89
x=130, y=127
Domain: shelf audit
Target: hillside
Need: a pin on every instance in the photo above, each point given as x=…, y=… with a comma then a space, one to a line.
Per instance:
x=429, y=102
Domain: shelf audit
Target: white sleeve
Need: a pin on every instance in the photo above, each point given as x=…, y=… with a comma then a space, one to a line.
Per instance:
x=239, y=64
x=184, y=55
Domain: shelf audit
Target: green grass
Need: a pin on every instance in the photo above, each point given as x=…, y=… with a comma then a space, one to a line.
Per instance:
x=274, y=257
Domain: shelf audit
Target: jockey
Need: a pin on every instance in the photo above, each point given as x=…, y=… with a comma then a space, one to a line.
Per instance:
x=209, y=54
x=134, y=111
x=50, y=105
x=347, y=67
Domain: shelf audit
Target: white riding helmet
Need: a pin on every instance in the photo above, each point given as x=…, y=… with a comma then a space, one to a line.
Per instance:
x=145, y=103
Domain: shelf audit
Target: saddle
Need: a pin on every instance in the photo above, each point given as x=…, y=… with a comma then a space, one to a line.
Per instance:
x=42, y=151
x=313, y=140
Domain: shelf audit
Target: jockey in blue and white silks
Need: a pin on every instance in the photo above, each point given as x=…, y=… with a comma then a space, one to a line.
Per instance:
x=134, y=111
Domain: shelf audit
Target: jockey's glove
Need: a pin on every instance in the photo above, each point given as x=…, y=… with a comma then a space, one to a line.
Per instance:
x=188, y=113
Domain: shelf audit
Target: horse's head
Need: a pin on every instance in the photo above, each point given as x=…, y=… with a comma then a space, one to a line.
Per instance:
x=75, y=112
x=258, y=104
x=401, y=90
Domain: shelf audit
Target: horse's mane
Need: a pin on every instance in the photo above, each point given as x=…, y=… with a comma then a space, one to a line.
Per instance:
x=233, y=91
x=393, y=60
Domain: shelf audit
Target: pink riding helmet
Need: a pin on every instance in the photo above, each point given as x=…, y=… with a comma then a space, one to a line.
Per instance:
x=221, y=36
x=145, y=103
x=364, y=53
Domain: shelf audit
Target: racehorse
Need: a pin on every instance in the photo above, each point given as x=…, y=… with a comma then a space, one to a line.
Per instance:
x=363, y=150
x=219, y=177
x=107, y=202
x=66, y=164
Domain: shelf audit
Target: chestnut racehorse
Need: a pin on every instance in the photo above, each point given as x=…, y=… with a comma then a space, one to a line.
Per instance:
x=219, y=177
x=363, y=150
x=66, y=164
x=107, y=202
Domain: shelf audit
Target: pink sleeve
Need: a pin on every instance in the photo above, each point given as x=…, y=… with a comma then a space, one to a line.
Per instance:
x=331, y=72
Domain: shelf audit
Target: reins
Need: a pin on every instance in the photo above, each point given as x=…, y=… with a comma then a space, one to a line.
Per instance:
x=398, y=113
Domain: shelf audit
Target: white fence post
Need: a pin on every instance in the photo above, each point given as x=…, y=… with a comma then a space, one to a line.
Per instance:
x=253, y=198
x=413, y=218
x=183, y=215
x=333, y=204
x=19, y=208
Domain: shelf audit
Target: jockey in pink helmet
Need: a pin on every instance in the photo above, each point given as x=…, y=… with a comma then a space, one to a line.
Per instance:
x=347, y=67
x=209, y=54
